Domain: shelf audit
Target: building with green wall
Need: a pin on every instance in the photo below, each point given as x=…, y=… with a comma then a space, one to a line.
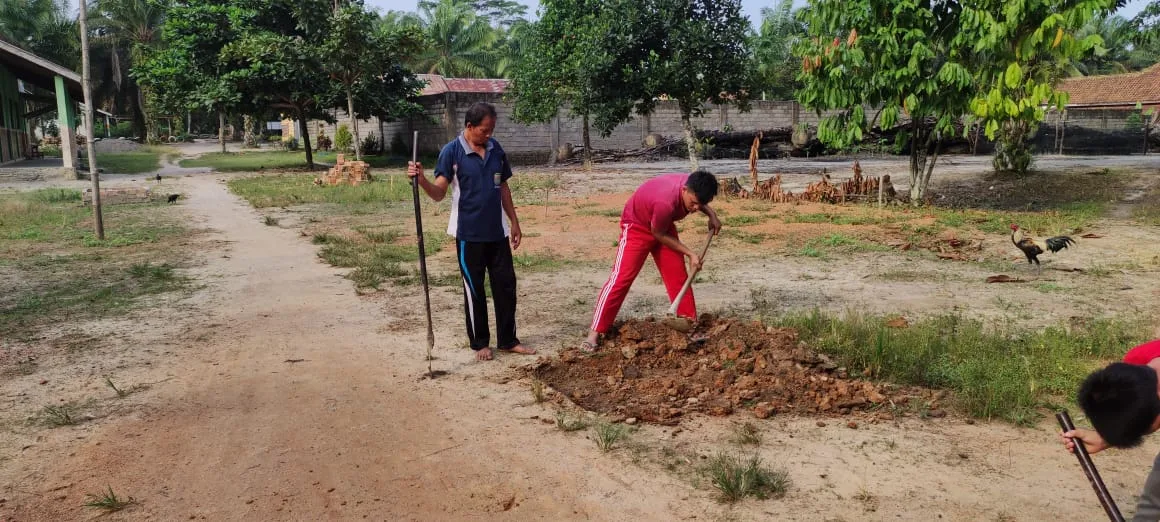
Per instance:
x=32, y=86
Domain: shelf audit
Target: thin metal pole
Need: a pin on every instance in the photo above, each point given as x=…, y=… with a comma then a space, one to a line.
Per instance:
x=422, y=254
x=1089, y=469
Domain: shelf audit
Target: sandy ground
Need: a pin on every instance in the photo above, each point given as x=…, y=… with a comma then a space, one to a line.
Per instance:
x=231, y=429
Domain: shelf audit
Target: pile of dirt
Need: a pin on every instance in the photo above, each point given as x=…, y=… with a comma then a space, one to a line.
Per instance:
x=651, y=372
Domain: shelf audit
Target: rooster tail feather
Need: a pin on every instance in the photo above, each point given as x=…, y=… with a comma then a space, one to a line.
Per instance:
x=1057, y=243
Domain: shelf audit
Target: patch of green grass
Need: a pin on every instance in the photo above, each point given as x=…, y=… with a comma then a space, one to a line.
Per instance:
x=745, y=237
x=374, y=263
x=532, y=188
x=79, y=295
x=608, y=212
x=270, y=221
x=1002, y=372
x=379, y=236
x=299, y=189
x=109, y=501
x=608, y=434
x=545, y=261
x=55, y=416
x=819, y=247
x=136, y=162
x=1064, y=219
x=904, y=275
x=1048, y=288
x=736, y=477
x=842, y=219
x=741, y=220
x=746, y=433
x=564, y=422
x=54, y=195
x=281, y=160
x=248, y=161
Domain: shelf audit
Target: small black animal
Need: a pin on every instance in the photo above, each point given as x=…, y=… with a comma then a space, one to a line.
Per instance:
x=159, y=178
x=173, y=198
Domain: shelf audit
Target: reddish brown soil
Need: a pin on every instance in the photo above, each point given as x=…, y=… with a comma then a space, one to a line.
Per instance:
x=651, y=372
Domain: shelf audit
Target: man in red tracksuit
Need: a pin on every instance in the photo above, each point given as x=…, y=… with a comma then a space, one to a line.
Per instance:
x=1122, y=401
x=648, y=226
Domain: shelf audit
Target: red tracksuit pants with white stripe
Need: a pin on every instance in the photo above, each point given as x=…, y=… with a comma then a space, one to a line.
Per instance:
x=636, y=244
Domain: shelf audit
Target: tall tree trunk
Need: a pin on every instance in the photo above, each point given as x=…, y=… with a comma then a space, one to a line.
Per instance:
x=922, y=162
x=587, y=145
x=222, y=129
x=306, y=139
x=248, y=137
x=353, y=123
x=86, y=86
x=690, y=140
x=382, y=137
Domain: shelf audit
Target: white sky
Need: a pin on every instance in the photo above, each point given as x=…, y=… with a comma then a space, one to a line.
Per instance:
x=751, y=8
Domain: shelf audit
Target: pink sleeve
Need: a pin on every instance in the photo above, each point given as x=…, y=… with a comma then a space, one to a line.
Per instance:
x=1144, y=353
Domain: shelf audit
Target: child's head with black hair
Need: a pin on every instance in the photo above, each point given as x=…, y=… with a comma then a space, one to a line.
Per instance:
x=1122, y=402
x=700, y=189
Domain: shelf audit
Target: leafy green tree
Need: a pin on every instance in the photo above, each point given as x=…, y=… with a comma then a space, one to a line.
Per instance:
x=581, y=54
x=187, y=72
x=776, y=67
x=1018, y=54
x=698, y=54
x=934, y=62
x=361, y=56
x=897, y=56
x=276, y=59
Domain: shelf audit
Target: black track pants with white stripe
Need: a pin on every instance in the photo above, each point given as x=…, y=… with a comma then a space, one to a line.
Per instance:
x=494, y=258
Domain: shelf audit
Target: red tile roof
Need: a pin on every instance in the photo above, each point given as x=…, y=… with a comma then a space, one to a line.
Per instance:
x=1114, y=89
x=437, y=84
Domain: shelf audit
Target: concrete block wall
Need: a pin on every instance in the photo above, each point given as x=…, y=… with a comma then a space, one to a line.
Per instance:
x=443, y=116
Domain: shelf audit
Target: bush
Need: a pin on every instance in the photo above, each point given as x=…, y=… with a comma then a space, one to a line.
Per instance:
x=273, y=138
x=343, y=140
x=324, y=142
x=398, y=146
x=370, y=145
x=123, y=129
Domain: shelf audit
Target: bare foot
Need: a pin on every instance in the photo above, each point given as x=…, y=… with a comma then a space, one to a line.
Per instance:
x=521, y=349
x=483, y=354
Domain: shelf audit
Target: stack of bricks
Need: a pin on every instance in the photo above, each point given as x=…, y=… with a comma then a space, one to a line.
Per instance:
x=347, y=172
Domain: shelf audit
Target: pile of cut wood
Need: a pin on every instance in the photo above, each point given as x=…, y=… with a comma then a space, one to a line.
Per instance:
x=665, y=147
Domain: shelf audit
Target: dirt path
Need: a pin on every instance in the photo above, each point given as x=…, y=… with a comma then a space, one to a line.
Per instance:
x=242, y=434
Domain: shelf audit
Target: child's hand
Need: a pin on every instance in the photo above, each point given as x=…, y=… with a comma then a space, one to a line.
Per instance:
x=1090, y=438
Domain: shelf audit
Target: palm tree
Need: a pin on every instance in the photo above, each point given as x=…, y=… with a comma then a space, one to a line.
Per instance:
x=126, y=30
x=510, y=46
x=772, y=49
x=1114, y=55
x=44, y=27
x=458, y=41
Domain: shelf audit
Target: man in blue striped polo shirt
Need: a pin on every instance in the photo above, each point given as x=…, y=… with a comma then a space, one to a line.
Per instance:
x=483, y=219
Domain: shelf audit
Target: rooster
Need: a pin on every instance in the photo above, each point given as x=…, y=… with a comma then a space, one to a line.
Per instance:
x=1032, y=248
